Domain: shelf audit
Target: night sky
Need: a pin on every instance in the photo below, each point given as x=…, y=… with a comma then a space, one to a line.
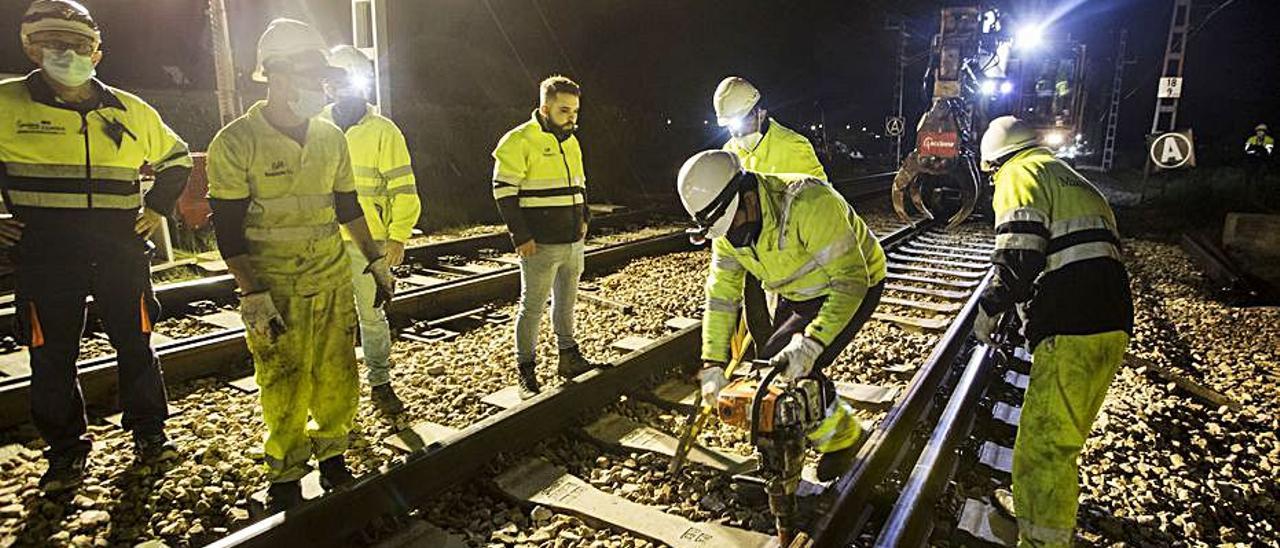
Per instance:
x=658, y=59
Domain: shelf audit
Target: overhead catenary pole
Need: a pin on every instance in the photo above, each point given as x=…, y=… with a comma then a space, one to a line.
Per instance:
x=1113, y=113
x=229, y=107
x=900, y=27
x=1166, y=116
x=369, y=34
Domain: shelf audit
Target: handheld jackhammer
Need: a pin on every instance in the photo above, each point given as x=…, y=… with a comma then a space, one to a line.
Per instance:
x=778, y=415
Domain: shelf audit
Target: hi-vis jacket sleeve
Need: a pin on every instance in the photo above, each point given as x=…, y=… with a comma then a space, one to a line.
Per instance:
x=402, y=187
x=724, y=287
x=510, y=168
x=228, y=171
x=1021, y=207
x=831, y=238
x=168, y=155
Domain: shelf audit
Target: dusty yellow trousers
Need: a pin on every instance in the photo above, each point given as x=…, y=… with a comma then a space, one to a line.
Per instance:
x=308, y=380
x=1069, y=379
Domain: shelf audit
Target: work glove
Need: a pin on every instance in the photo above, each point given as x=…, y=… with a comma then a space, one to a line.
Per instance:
x=383, y=279
x=260, y=316
x=797, y=357
x=984, y=325
x=712, y=381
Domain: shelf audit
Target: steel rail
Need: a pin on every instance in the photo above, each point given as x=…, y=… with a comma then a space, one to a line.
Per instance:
x=331, y=520
x=910, y=521
x=174, y=297
x=224, y=350
x=888, y=443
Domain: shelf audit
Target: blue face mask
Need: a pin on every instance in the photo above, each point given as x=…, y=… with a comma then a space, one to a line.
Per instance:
x=67, y=67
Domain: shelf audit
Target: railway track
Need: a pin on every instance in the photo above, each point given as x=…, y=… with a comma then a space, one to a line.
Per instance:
x=934, y=278
x=200, y=333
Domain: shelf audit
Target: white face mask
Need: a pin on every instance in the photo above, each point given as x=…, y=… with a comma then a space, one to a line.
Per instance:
x=750, y=140
x=67, y=67
x=308, y=103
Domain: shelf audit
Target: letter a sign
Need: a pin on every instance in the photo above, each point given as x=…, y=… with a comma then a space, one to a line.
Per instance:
x=1173, y=150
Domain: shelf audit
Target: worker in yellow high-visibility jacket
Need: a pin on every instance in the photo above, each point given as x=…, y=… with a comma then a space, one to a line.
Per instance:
x=805, y=243
x=387, y=193
x=280, y=184
x=1058, y=256
x=70, y=152
x=764, y=146
x=541, y=191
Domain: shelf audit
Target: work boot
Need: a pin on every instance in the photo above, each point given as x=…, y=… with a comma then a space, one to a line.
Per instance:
x=334, y=474
x=284, y=496
x=572, y=363
x=528, y=381
x=1004, y=503
x=385, y=399
x=65, y=473
x=154, y=448
x=831, y=465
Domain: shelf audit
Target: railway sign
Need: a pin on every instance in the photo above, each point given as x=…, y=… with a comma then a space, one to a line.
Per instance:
x=893, y=125
x=1173, y=150
x=1170, y=88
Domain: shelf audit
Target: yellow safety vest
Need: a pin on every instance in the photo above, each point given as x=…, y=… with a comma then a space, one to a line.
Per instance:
x=546, y=176
x=56, y=158
x=811, y=244
x=291, y=225
x=385, y=186
x=780, y=150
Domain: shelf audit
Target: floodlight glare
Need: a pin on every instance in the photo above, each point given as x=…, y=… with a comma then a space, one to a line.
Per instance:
x=1054, y=139
x=735, y=124
x=1029, y=37
x=988, y=87
x=1006, y=88
x=359, y=81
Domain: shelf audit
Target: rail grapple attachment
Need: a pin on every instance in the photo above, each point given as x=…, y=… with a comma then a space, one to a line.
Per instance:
x=944, y=158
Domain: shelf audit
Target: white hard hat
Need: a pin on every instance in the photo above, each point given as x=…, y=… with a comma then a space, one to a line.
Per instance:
x=58, y=15
x=706, y=192
x=1004, y=136
x=352, y=60
x=290, y=40
x=734, y=98
x=1261, y=127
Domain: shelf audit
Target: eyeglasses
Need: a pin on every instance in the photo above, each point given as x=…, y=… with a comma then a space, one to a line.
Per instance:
x=80, y=48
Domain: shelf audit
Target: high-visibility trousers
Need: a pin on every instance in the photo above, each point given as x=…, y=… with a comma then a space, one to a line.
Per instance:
x=308, y=381
x=1069, y=379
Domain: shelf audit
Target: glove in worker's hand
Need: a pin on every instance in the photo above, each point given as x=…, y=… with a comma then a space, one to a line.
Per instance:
x=383, y=279
x=260, y=316
x=984, y=325
x=797, y=357
x=712, y=380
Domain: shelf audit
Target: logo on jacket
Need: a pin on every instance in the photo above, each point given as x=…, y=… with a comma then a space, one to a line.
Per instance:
x=279, y=168
x=40, y=127
x=548, y=151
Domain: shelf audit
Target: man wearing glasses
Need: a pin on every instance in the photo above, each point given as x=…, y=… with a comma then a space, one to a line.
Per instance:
x=280, y=184
x=71, y=148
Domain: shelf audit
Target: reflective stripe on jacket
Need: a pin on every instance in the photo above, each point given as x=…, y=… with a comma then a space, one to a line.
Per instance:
x=291, y=225
x=385, y=186
x=59, y=158
x=1254, y=146
x=780, y=150
x=540, y=185
x=811, y=244
x=1056, y=246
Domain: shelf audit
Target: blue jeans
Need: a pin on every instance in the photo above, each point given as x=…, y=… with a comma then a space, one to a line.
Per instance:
x=553, y=269
x=375, y=334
